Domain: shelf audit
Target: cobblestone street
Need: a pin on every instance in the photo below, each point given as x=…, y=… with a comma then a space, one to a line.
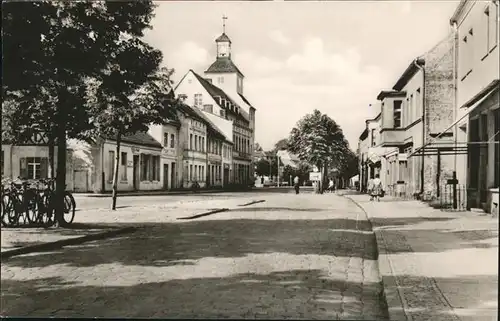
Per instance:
x=294, y=256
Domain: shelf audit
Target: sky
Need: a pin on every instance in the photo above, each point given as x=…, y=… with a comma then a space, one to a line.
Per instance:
x=334, y=56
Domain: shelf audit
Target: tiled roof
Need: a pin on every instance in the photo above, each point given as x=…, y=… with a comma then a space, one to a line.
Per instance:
x=215, y=91
x=139, y=138
x=198, y=115
x=246, y=101
x=224, y=64
x=223, y=38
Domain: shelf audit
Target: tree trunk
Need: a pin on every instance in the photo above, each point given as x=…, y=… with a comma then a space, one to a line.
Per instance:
x=116, y=169
x=52, y=173
x=61, y=164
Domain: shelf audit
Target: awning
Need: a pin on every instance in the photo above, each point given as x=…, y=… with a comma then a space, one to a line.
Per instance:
x=375, y=154
x=471, y=104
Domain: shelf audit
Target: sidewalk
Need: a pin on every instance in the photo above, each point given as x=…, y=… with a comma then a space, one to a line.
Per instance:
x=435, y=265
x=103, y=223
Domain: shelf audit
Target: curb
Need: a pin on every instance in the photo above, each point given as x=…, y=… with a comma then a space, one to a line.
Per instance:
x=396, y=304
x=204, y=214
x=220, y=210
x=252, y=202
x=62, y=243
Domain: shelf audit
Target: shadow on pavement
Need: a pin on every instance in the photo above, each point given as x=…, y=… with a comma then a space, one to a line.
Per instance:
x=400, y=221
x=159, y=244
x=477, y=292
x=294, y=294
x=397, y=241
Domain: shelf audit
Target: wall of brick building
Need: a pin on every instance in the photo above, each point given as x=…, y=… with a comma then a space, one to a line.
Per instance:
x=439, y=112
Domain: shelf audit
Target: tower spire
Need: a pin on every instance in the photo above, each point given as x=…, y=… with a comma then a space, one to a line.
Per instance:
x=224, y=18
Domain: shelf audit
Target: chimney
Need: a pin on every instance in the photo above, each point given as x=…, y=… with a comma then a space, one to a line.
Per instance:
x=209, y=80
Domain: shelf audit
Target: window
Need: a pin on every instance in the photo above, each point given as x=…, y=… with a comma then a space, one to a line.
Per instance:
x=397, y=113
x=195, y=142
x=222, y=114
x=111, y=164
x=403, y=169
x=33, y=167
x=190, y=172
x=145, y=159
x=208, y=108
x=220, y=80
x=124, y=166
x=198, y=100
x=203, y=144
x=165, y=140
x=172, y=140
x=418, y=104
x=190, y=141
x=202, y=177
x=372, y=137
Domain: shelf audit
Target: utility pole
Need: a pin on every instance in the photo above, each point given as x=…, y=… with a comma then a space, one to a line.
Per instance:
x=278, y=177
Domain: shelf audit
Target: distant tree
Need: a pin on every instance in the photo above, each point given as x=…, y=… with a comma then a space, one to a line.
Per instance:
x=317, y=139
x=258, y=148
x=282, y=144
x=262, y=167
x=129, y=99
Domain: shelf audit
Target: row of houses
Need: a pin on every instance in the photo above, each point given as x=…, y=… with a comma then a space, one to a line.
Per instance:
x=208, y=141
x=437, y=129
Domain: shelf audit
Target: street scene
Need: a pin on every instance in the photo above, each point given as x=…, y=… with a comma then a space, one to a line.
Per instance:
x=272, y=170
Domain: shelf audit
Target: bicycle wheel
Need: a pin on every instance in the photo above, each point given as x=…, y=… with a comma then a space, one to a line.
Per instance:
x=12, y=209
x=47, y=215
x=6, y=208
x=31, y=204
x=69, y=208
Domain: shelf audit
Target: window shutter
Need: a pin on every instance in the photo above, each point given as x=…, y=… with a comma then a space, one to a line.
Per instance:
x=150, y=168
x=157, y=158
x=44, y=167
x=23, y=168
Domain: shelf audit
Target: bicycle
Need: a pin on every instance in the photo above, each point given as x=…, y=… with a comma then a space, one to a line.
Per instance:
x=14, y=204
x=48, y=196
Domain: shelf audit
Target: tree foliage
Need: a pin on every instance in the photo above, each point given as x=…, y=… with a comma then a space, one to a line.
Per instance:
x=54, y=52
x=282, y=144
x=318, y=140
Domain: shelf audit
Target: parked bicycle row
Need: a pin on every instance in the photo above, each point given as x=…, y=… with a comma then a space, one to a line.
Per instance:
x=32, y=202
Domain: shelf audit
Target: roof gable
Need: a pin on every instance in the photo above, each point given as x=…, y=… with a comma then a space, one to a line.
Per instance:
x=223, y=65
x=139, y=138
x=217, y=94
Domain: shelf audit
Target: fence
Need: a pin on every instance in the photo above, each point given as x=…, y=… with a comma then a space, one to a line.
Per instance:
x=401, y=191
x=449, y=193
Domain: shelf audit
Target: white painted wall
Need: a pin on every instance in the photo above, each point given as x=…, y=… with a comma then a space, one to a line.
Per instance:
x=484, y=66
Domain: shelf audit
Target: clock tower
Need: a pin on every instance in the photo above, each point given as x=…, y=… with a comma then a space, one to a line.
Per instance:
x=223, y=71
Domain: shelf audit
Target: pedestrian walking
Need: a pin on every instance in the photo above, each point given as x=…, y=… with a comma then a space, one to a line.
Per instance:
x=377, y=189
x=331, y=186
x=296, y=184
x=369, y=188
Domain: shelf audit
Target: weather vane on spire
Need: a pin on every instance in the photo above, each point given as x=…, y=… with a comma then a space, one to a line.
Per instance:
x=224, y=18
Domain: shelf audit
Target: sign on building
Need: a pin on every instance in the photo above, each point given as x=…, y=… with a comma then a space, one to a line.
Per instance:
x=313, y=176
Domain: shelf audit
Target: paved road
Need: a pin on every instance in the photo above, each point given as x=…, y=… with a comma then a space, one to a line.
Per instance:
x=306, y=256
x=90, y=203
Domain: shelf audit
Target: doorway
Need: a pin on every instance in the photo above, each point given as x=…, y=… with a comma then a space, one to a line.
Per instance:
x=136, y=177
x=165, y=176
x=173, y=176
